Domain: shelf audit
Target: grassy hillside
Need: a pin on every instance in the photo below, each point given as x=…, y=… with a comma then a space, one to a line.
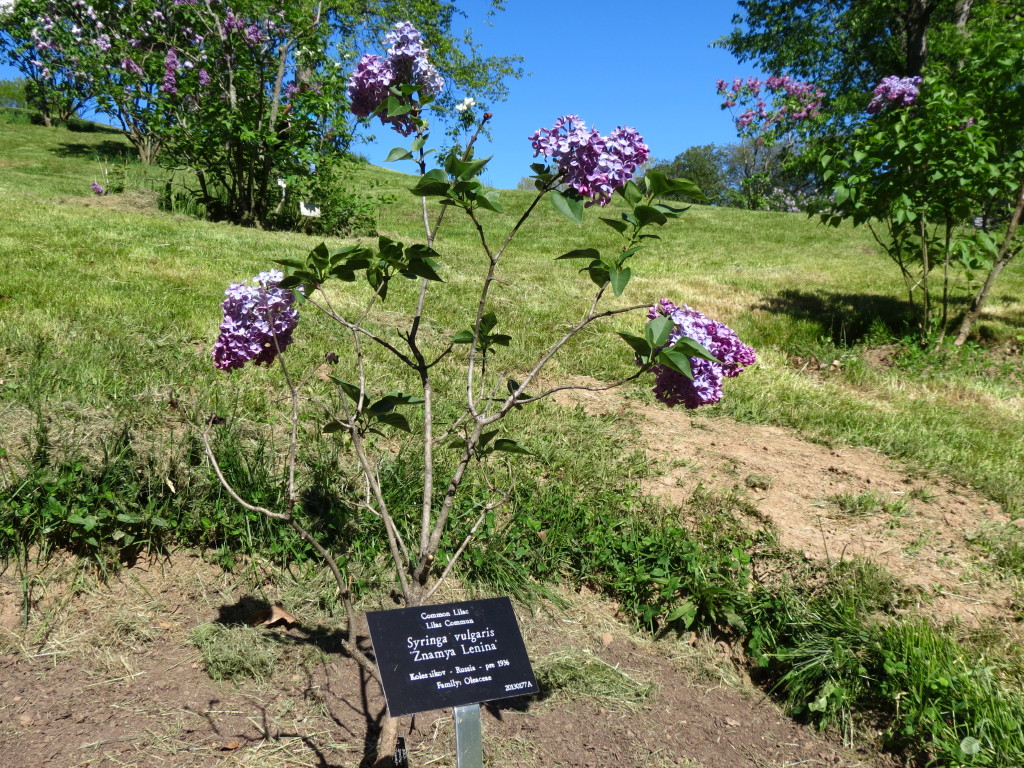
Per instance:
x=109, y=305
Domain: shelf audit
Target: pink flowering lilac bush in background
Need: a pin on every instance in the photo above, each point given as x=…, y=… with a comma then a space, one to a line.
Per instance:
x=705, y=388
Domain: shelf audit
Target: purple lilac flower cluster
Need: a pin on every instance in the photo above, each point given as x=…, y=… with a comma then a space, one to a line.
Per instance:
x=800, y=99
x=405, y=64
x=592, y=164
x=97, y=188
x=170, y=82
x=901, y=91
x=673, y=388
x=258, y=322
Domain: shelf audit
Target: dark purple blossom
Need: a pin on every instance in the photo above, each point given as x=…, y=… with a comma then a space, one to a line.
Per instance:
x=97, y=189
x=204, y=77
x=671, y=387
x=592, y=164
x=901, y=91
x=258, y=322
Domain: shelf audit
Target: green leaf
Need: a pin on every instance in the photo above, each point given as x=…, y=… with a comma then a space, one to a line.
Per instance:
x=639, y=344
x=463, y=337
x=510, y=446
x=291, y=263
x=417, y=143
x=501, y=339
x=619, y=279
x=617, y=224
x=581, y=253
x=657, y=331
x=396, y=420
x=424, y=268
x=398, y=153
x=631, y=193
x=686, y=188
x=333, y=426
x=691, y=348
x=468, y=169
x=490, y=201
x=395, y=107
x=677, y=361
x=351, y=390
x=432, y=184
x=571, y=209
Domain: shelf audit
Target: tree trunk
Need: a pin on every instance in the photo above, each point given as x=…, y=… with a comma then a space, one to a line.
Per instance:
x=918, y=14
x=387, y=741
x=962, y=14
x=1006, y=253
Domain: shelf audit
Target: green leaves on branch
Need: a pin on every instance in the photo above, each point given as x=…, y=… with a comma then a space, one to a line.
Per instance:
x=392, y=257
x=369, y=416
x=487, y=444
x=657, y=184
x=609, y=269
x=457, y=184
x=569, y=204
x=651, y=349
x=486, y=340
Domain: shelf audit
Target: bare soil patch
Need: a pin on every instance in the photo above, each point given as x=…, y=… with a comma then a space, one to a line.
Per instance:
x=106, y=676
x=831, y=503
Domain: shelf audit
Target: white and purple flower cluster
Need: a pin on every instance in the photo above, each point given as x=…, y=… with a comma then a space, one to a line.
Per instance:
x=673, y=388
x=592, y=164
x=258, y=322
x=405, y=64
x=901, y=91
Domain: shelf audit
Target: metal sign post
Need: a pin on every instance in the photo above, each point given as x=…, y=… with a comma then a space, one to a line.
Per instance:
x=469, y=748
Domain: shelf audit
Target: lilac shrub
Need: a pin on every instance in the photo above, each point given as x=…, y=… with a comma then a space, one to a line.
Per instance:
x=705, y=387
x=258, y=322
x=769, y=115
x=690, y=354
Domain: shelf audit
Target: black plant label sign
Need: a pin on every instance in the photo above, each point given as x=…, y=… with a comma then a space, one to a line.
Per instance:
x=451, y=655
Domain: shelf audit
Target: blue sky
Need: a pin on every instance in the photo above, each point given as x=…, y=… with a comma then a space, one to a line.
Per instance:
x=643, y=64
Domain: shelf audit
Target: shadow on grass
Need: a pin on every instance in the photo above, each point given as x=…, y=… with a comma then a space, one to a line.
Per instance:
x=846, y=318
x=107, y=151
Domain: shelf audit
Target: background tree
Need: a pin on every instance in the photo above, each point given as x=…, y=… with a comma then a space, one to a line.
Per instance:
x=55, y=88
x=937, y=171
x=844, y=46
x=705, y=165
x=240, y=94
x=12, y=93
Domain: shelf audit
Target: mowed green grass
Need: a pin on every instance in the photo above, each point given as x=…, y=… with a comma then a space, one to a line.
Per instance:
x=109, y=306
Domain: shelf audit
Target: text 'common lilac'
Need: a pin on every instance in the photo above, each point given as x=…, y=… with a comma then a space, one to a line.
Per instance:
x=258, y=322
x=671, y=387
x=592, y=164
x=901, y=91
